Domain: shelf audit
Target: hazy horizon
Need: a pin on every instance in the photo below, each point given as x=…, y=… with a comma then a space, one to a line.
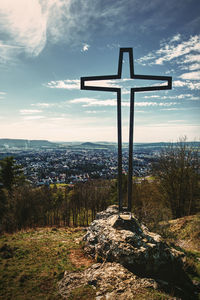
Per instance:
x=100, y=141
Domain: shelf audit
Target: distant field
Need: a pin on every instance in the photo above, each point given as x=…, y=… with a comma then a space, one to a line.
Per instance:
x=59, y=185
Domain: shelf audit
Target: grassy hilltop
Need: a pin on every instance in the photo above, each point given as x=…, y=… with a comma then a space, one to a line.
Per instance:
x=33, y=261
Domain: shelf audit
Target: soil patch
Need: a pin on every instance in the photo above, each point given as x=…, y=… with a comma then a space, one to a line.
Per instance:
x=79, y=259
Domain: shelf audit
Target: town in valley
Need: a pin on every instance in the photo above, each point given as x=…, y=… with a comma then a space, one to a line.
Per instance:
x=46, y=163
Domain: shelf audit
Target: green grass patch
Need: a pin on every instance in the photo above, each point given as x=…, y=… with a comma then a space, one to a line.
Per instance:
x=152, y=294
x=32, y=262
x=183, y=234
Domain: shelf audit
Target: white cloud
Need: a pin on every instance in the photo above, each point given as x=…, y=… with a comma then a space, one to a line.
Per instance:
x=141, y=111
x=175, y=48
x=192, y=67
x=194, y=86
x=191, y=58
x=152, y=96
x=176, y=38
x=2, y=95
x=86, y=102
x=44, y=104
x=24, y=23
x=170, y=109
x=29, y=111
x=191, y=75
x=184, y=53
x=91, y=111
x=155, y=103
x=68, y=84
x=179, y=83
x=33, y=117
x=74, y=84
x=176, y=121
x=170, y=52
x=188, y=84
x=85, y=47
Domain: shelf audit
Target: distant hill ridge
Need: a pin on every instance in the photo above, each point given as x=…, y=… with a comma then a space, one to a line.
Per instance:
x=95, y=145
x=23, y=143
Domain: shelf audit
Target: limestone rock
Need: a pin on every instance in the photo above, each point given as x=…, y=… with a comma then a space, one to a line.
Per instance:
x=123, y=240
x=133, y=259
x=109, y=280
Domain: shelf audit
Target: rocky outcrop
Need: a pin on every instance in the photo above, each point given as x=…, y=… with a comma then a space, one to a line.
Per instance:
x=109, y=281
x=132, y=258
x=121, y=239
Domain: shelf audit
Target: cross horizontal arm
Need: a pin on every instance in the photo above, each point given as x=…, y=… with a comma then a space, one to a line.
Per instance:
x=99, y=88
x=136, y=89
x=155, y=87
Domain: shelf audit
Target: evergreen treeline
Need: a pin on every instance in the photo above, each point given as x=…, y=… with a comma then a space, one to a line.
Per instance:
x=172, y=192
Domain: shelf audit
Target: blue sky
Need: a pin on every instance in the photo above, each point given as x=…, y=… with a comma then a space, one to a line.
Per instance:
x=46, y=46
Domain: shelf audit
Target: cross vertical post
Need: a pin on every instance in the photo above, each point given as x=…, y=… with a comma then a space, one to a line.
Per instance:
x=130, y=161
x=131, y=121
x=119, y=134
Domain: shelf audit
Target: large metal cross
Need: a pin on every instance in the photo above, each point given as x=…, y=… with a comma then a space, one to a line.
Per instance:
x=132, y=98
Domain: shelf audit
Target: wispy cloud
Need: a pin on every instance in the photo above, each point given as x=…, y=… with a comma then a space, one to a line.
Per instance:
x=24, y=23
x=29, y=111
x=184, y=53
x=173, y=49
x=191, y=58
x=27, y=25
x=74, y=84
x=91, y=111
x=2, y=95
x=125, y=84
x=33, y=117
x=179, y=96
x=68, y=84
x=191, y=75
x=43, y=104
x=190, y=85
x=176, y=121
x=151, y=96
x=143, y=104
x=86, y=102
x=170, y=109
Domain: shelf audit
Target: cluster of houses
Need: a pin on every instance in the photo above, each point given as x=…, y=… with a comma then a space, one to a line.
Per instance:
x=45, y=167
